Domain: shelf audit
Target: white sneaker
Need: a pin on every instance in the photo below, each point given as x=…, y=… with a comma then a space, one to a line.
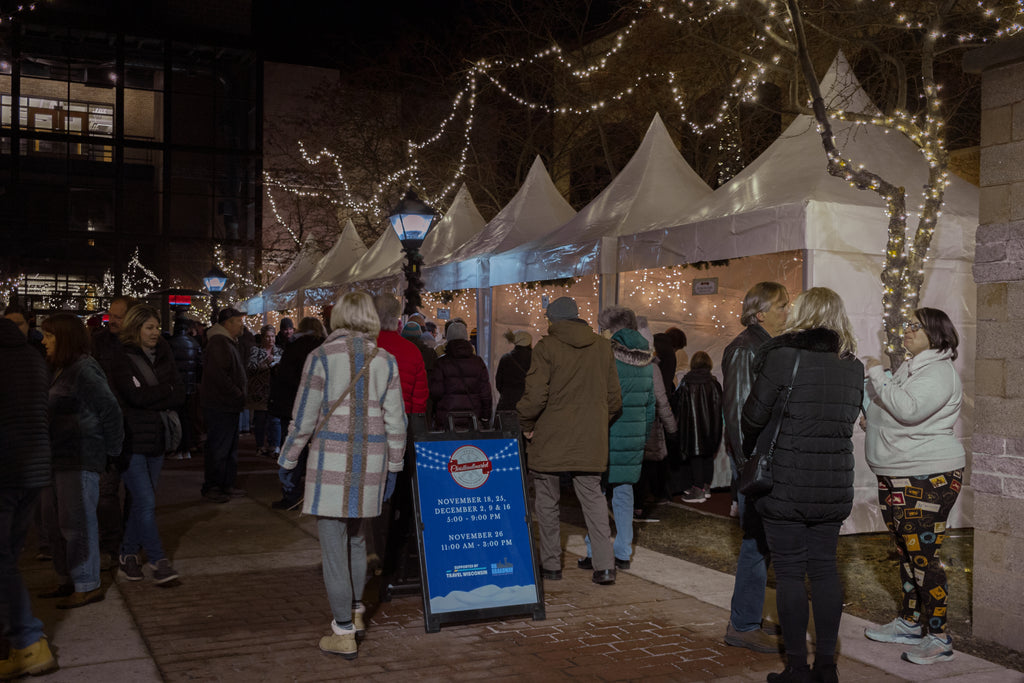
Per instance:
x=930, y=650
x=707, y=492
x=898, y=630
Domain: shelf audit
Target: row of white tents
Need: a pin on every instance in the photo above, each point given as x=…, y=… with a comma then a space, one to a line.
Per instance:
x=782, y=218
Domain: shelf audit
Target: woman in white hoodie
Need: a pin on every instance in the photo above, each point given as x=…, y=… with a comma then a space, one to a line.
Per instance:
x=919, y=462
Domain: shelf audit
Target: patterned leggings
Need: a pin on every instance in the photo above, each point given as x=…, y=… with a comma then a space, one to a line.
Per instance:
x=915, y=510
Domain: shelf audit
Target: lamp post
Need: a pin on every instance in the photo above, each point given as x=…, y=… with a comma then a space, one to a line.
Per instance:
x=412, y=219
x=215, y=281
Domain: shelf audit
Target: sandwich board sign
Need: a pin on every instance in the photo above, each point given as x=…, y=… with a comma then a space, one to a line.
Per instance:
x=476, y=549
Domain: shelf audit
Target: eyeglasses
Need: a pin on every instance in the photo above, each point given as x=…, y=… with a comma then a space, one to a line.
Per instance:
x=911, y=327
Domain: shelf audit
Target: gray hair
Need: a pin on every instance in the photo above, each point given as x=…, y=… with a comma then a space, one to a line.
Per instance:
x=615, y=318
x=389, y=310
x=759, y=299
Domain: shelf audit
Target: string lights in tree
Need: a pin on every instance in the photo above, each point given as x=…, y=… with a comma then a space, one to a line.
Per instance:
x=137, y=281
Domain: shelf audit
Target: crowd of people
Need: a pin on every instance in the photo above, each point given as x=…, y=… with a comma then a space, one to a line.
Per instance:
x=619, y=413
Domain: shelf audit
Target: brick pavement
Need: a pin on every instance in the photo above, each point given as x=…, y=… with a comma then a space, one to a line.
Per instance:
x=251, y=606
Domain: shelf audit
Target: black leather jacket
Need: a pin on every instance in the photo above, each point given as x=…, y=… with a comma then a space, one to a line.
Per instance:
x=698, y=407
x=738, y=373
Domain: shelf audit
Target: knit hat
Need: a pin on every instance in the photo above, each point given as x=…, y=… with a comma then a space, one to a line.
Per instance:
x=523, y=338
x=563, y=308
x=287, y=324
x=226, y=314
x=457, y=331
x=412, y=331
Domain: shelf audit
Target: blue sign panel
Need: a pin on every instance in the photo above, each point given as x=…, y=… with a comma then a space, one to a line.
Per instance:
x=475, y=531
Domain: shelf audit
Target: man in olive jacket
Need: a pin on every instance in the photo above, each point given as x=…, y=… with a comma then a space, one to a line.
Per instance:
x=572, y=394
x=222, y=396
x=25, y=468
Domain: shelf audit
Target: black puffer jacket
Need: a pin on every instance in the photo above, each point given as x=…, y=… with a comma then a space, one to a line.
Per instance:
x=188, y=359
x=24, y=430
x=510, y=379
x=460, y=383
x=813, y=465
x=697, y=405
x=142, y=402
x=287, y=374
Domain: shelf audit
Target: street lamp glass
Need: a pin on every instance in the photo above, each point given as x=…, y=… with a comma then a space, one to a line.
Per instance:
x=412, y=220
x=216, y=280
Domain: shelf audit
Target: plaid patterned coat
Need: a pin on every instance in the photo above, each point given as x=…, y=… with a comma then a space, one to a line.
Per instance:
x=361, y=441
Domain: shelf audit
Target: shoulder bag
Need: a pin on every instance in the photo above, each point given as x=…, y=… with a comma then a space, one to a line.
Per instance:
x=757, y=479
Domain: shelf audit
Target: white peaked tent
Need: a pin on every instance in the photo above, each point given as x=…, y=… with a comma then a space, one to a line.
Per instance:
x=348, y=249
x=281, y=292
x=384, y=253
x=656, y=188
x=459, y=224
x=536, y=209
x=786, y=200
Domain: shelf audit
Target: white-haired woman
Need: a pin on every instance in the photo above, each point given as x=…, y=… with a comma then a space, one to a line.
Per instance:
x=812, y=468
x=349, y=410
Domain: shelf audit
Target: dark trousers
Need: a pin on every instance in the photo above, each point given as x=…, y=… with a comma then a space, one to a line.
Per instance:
x=915, y=510
x=109, y=512
x=799, y=550
x=220, y=455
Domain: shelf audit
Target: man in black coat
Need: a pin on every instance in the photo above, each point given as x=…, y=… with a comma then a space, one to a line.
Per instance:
x=25, y=469
x=764, y=313
x=222, y=396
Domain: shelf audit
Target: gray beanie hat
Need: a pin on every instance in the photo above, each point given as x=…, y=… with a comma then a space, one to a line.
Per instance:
x=457, y=331
x=563, y=308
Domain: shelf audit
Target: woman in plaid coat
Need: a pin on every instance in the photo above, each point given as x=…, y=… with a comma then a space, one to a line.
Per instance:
x=349, y=409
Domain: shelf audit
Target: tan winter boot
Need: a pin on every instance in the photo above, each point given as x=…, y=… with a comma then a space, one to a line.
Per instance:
x=35, y=659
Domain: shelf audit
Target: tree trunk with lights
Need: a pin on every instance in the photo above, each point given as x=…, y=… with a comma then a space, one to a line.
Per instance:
x=903, y=269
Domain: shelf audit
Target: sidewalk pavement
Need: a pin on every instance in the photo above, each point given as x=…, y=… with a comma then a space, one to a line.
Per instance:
x=251, y=606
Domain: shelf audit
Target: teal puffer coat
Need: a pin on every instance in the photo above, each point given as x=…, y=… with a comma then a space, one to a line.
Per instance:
x=628, y=433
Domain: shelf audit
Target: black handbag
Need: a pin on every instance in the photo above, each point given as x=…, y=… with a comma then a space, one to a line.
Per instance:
x=756, y=479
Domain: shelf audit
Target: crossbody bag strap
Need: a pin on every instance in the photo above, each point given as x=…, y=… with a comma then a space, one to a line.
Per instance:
x=777, y=418
x=334, y=406
x=144, y=369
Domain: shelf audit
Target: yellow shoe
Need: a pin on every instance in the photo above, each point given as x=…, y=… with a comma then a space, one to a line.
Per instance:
x=35, y=659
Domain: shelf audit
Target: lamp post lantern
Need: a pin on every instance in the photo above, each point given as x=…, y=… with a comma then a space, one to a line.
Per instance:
x=215, y=281
x=412, y=220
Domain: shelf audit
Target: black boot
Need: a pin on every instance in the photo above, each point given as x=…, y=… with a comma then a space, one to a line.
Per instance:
x=792, y=674
x=824, y=670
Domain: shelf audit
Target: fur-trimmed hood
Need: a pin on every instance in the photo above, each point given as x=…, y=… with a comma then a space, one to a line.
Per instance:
x=630, y=347
x=820, y=339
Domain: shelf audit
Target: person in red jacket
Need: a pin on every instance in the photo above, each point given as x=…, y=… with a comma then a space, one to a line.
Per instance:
x=410, y=361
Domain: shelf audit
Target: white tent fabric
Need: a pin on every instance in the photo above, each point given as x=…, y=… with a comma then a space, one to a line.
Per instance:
x=786, y=200
x=348, y=249
x=536, y=209
x=458, y=225
x=656, y=188
x=281, y=292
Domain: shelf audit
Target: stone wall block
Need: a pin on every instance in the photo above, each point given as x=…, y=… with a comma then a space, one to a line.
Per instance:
x=1013, y=381
x=989, y=253
x=1017, y=131
x=1016, y=199
x=998, y=272
x=1001, y=339
x=988, y=443
x=1015, y=299
x=996, y=514
x=997, y=125
x=995, y=204
x=995, y=415
x=1013, y=487
x=992, y=298
x=1002, y=86
x=1002, y=164
x=987, y=483
x=1008, y=465
x=992, y=232
x=989, y=378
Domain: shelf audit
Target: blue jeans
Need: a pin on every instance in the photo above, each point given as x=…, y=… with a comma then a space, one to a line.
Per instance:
x=220, y=455
x=267, y=430
x=622, y=510
x=751, y=570
x=140, y=531
x=343, y=550
x=76, y=555
x=20, y=626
